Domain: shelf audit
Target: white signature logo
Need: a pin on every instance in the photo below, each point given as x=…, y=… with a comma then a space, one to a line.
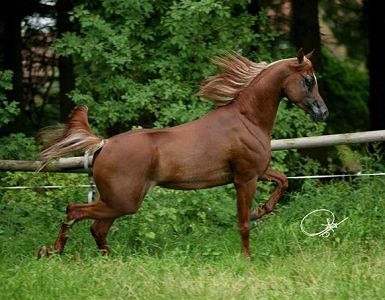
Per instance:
x=329, y=226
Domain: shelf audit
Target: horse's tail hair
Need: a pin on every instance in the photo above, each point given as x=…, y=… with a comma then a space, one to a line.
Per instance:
x=73, y=137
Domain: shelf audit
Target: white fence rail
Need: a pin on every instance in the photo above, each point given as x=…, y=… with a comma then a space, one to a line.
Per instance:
x=329, y=140
x=76, y=164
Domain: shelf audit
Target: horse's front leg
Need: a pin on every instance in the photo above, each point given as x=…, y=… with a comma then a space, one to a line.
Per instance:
x=245, y=195
x=282, y=184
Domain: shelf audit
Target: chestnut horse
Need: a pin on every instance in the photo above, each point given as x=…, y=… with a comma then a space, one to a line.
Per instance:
x=230, y=144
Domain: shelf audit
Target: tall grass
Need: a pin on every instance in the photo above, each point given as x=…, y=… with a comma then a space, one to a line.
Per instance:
x=201, y=259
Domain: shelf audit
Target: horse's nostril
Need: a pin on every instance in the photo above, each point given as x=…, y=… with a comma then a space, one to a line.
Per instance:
x=325, y=113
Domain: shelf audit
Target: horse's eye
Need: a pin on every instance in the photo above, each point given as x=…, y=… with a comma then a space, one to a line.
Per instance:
x=309, y=81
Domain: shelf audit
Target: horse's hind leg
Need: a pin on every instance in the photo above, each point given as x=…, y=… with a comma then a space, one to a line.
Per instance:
x=99, y=230
x=121, y=202
x=75, y=212
x=282, y=183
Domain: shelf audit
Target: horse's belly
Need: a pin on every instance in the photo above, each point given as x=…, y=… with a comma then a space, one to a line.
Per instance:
x=192, y=185
x=196, y=179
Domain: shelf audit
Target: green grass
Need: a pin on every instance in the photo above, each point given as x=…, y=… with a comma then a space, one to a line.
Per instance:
x=206, y=263
x=341, y=273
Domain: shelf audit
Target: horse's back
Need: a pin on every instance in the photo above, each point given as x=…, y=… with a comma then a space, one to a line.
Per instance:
x=193, y=155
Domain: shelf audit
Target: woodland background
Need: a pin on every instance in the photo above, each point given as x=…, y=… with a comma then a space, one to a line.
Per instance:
x=139, y=64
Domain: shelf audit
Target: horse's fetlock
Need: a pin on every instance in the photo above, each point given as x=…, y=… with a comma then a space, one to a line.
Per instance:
x=268, y=208
x=244, y=230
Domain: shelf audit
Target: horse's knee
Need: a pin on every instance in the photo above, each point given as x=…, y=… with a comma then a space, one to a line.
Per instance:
x=285, y=183
x=282, y=182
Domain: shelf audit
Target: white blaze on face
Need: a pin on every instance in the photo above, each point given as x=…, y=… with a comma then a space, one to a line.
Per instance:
x=315, y=78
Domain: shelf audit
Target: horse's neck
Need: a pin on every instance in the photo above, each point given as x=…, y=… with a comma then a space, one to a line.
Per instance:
x=260, y=100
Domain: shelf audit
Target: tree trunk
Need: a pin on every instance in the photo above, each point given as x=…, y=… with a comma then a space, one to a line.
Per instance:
x=305, y=31
x=66, y=66
x=11, y=16
x=254, y=9
x=11, y=52
x=375, y=17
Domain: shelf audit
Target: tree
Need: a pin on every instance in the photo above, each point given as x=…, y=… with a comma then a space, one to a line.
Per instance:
x=345, y=80
x=375, y=18
x=140, y=63
x=12, y=44
x=65, y=63
x=344, y=18
x=305, y=32
x=11, y=15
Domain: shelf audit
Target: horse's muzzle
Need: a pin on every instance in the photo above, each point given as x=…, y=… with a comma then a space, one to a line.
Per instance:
x=317, y=110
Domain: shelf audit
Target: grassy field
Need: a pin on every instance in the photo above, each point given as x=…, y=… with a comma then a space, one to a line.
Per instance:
x=341, y=273
x=206, y=263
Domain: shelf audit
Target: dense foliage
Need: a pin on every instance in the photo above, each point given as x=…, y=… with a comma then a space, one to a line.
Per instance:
x=140, y=63
x=347, y=92
x=348, y=26
x=8, y=109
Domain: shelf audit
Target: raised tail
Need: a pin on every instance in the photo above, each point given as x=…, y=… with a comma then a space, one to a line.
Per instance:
x=74, y=137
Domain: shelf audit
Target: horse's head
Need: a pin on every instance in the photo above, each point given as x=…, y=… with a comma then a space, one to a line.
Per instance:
x=301, y=88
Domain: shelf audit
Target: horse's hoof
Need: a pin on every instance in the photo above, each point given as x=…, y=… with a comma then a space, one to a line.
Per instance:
x=104, y=252
x=45, y=252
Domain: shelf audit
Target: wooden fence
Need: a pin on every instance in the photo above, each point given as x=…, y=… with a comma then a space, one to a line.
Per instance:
x=76, y=164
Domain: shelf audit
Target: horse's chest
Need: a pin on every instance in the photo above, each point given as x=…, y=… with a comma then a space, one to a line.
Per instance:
x=251, y=161
x=254, y=161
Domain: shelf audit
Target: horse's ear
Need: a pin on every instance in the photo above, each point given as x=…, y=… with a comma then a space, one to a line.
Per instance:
x=300, y=56
x=309, y=55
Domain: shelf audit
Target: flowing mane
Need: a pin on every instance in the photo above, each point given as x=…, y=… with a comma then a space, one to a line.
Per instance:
x=237, y=73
